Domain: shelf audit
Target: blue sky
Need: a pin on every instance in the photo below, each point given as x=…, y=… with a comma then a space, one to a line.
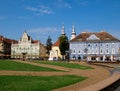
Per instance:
x=41, y=18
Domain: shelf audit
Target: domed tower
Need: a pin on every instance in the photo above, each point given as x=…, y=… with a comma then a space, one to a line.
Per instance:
x=73, y=35
x=63, y=31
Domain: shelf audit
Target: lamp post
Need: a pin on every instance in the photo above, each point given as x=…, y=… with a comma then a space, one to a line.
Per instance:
x=68, y=55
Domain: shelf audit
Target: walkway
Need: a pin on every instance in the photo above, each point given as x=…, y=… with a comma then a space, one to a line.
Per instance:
x=114, y=69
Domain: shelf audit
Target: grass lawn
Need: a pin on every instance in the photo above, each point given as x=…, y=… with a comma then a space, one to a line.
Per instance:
x=37, y=83
x=11, y=65
x=65, y=64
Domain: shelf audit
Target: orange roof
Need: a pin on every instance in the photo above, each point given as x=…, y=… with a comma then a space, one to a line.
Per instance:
x=35, y=41
x=103, y=36
x=6, y=40
x=57, y=43
x=1, y=38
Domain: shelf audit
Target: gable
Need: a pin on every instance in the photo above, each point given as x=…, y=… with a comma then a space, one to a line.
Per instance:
x=92, y=37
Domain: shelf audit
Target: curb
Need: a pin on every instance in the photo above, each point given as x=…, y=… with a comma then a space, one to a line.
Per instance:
x=100, y=86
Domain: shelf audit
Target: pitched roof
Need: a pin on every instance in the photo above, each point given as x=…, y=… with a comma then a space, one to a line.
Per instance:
x=1, y=38
x=35, y=41
x=100, y=36
x=7, y=40
x=57, y=43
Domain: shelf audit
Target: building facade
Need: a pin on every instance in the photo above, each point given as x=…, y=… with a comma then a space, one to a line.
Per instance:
x=27, y=48
x=98, y=46
x=5, y=47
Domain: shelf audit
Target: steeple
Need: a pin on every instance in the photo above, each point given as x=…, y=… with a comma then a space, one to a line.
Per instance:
x=63, y=31
x=73, y=35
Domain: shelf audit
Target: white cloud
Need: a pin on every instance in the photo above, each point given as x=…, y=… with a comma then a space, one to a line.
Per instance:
x=82, y=2
x=67, y=5
x=41, y=10
x=45, y=10
x=62, y=4
x=31, y=8
x=44, y=30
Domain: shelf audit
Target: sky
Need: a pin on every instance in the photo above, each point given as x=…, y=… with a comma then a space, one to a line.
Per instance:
x=43, y=18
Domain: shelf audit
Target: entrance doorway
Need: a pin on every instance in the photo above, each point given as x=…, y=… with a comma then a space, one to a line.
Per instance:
x=24, y=56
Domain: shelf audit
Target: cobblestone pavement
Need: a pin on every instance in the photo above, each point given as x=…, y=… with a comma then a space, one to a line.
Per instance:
x=94, y=75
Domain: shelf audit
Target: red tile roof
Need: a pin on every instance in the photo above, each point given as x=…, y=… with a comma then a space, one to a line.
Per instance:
x=35, y=41
x=57, y=43
x=103, y=36
x=7, y=40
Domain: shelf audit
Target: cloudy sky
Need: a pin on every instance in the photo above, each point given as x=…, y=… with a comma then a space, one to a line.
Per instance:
x=41, y=18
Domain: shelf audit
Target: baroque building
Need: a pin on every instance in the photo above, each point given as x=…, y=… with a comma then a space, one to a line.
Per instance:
x=98, y=46
x=5, y=47
x=27, y=48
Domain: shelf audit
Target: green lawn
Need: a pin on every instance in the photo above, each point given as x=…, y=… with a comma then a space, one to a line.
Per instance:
x=37, y=83
x=65, y=64
x=12, y=65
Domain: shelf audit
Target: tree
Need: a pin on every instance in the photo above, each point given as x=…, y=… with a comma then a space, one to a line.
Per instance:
x=64, y=45
x=48, y=45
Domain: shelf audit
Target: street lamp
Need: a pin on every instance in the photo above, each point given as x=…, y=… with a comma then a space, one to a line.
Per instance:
x=68, y=54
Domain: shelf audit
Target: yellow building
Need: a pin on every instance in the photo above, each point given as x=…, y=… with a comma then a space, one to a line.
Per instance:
x=55, y=52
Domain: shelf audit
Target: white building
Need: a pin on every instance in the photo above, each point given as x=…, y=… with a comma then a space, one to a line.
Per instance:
x=98, y=46
x=26, y=48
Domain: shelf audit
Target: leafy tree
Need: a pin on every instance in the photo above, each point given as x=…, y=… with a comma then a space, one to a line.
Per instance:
x=64, y=45
x=48, y=45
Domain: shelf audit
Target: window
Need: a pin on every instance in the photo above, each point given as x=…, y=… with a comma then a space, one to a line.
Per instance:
x=73, y=51
x=74, y=57
x=101, y=51
x=107, y=51
x=88, y=45
x=106, y=44
x=112, y=44
x=113, y=51
x=79, y=57
x=96, y=51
